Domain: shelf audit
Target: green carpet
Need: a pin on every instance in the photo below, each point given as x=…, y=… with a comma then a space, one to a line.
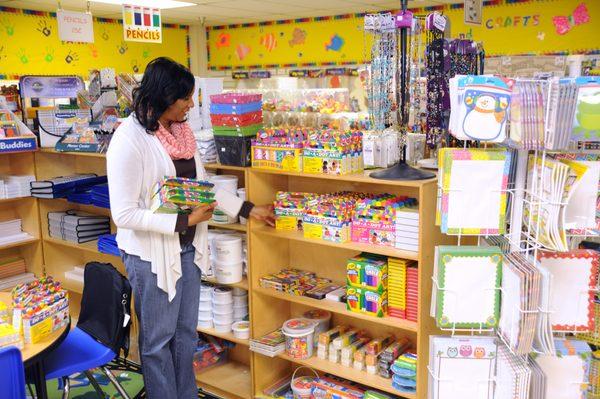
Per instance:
x=129, y=376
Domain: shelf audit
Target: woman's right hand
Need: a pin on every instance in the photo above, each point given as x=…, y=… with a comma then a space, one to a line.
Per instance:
x=201, y=214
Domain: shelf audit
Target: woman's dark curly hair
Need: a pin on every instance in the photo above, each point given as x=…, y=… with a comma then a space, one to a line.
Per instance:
x=165, y=81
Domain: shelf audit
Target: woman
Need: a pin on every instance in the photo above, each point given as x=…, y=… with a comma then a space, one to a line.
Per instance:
x=164, y=254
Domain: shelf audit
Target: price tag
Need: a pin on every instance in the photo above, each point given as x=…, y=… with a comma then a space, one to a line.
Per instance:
x=439, y=22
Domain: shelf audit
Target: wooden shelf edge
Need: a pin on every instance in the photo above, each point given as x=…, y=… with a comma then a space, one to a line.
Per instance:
x=225, y=167
x=90, y=246
x=353, y=178
x=242, y=284
x=231, y=378
x=81, y=154
x=19, y=243
x=9, y=200
x=362, y=377
x=233, y=226
x=339, y=308
x=351, y=246
x=226, y=336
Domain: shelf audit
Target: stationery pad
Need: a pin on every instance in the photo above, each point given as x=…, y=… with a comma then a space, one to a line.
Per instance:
x=469, y=280
x=474, y=184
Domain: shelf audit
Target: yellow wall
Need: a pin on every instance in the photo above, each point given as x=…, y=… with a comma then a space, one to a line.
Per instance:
x=29, y=44
x=509, y=28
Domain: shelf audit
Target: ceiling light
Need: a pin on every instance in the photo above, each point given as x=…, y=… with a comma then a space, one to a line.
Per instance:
x=149, y=3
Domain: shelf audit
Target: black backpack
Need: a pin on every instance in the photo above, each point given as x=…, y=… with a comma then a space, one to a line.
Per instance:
x=105, y=306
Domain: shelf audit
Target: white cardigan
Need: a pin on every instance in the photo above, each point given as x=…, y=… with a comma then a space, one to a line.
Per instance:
x=137, y=160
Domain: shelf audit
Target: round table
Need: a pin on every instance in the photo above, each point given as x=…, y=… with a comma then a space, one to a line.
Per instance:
x=33, y=354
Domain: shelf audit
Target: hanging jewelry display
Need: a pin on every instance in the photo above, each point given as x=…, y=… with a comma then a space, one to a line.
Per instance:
x=382, y=69
x=417, y=82
x=438, y=66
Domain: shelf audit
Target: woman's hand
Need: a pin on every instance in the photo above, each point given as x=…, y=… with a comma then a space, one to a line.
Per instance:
x=201, y=214
x=264, y=213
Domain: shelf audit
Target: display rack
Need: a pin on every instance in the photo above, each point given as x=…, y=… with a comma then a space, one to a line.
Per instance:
x=270, y=250
x=24, y=208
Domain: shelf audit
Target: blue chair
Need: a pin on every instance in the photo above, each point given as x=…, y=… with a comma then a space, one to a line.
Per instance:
x=12, y=377
x=79, y=353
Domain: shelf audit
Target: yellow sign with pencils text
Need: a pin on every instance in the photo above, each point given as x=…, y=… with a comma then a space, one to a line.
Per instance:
x=29, y=45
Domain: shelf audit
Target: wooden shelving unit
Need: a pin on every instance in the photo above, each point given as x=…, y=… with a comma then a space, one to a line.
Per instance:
x=234, y=226
x=242, y=284
x=26, y=209
x=229, y=380
x=271, y=250
x=227, y=336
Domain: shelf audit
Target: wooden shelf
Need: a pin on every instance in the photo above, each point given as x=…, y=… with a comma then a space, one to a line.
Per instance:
x=9, y=200
x=227, y=380
x=339, y=308
x=349, y=373
x=90, y=246
x=354, y=178
x=352, y=246
x=19, y=243
x=242, y=284
x=226, y=336
x=224, y=167
x=79, y=154
x=233, y=226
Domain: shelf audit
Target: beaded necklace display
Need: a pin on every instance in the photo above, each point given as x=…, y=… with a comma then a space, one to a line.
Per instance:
x=382, y=69
x=417, y=84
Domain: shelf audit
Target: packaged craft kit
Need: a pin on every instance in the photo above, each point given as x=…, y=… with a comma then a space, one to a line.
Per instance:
x=180, y=195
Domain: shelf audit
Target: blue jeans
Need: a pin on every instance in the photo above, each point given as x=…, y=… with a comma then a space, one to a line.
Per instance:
x=168, y=337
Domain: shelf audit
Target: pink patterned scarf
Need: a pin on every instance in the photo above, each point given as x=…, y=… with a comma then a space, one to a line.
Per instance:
x=180, y=142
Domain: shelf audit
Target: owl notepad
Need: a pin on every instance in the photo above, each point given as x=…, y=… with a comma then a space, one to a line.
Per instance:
x=473, y=197
x=468, y=287
x=461, y=368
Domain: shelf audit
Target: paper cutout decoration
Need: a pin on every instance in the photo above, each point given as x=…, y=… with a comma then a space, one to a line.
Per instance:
x=468, y=292
x=573, y=277
x=564, y=24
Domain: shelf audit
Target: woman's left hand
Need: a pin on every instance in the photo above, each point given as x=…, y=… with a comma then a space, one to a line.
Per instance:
x=264, y=213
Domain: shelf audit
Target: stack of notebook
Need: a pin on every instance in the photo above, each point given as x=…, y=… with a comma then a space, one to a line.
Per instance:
x=15, y=186
x=100, y=196
x=61, y=187
x=77, y=226
x=11, y=232
x=107, y=244
x=9, y=282
x=269, y=345
x=11, y=266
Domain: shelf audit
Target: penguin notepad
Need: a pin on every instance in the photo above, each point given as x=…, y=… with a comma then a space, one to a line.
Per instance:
x=479, y=108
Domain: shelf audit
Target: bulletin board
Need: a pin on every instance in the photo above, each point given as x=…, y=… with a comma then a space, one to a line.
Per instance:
x=509, y=27
x=29, y=45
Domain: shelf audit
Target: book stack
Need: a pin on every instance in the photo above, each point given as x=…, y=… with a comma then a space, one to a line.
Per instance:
x=180, y=195
x=11, y=232
x=412, y=292
x=77, y=226
x=61, y=187
x=270, y=345
x=99, y=194
x=407, y=229
x=11, y=266
x=107, y=244
x=397, y=286
x=15, y=186
x=8, y=283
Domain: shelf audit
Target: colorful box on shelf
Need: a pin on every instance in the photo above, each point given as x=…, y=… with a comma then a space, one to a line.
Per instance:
x=237, y=131
x=250, y=118
x=367, y=271
x=179, y=195
x=333, y=152
x=374, y=220
x=289, y=210
x=365, y=301
x=279, y=149
x=42, y=306
x=15, y=136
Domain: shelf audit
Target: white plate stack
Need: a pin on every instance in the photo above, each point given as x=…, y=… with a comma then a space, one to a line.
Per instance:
x=222, y=309
x=205, y=315
x=240, y=304
x=206, y=145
